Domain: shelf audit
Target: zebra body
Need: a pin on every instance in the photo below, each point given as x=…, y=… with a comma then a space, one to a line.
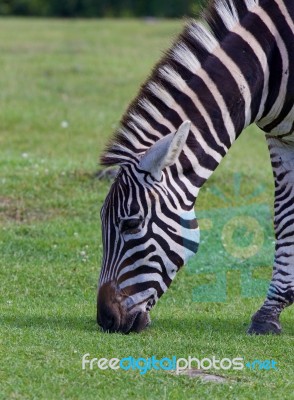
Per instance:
x=216, y=79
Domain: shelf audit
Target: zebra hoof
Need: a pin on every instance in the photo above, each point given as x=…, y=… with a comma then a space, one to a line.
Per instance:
x=262, y=324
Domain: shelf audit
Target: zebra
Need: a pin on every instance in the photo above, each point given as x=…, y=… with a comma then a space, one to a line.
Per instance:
x=231, y=68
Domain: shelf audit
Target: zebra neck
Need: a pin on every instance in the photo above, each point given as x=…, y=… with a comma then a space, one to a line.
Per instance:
x=218, y=101
x=222, y=89
x=212, y=77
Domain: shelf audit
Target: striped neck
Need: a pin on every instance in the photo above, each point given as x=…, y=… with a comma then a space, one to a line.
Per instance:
x=216, y=77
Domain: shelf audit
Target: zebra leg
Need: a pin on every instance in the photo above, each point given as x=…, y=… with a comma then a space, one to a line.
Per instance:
x=281, y=289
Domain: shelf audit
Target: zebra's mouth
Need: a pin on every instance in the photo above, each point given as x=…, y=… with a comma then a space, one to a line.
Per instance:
x=137, y=322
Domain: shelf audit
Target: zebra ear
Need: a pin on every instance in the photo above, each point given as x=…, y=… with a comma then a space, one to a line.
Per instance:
x=165, y=151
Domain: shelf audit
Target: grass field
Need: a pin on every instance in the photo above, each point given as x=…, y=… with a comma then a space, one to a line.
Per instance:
x=64, y=86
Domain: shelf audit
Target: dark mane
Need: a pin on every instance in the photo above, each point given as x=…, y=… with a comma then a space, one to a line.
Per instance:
x=132, y=138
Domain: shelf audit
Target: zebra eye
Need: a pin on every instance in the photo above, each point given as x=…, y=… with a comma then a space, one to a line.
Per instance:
x=130, y=225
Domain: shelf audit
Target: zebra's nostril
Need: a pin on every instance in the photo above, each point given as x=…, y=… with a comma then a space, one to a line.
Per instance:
x=150, y=304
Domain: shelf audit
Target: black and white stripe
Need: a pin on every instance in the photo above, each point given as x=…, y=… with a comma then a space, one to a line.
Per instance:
x=234, y=67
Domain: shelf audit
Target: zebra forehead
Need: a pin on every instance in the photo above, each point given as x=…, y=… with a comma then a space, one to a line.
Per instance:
x=125, y=188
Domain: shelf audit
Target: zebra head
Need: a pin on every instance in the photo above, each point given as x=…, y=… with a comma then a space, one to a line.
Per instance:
x=149, y=231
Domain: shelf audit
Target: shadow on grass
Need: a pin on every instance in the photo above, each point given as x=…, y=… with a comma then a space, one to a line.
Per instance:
x=203, y=325
x=73, y=323
x=200, y=325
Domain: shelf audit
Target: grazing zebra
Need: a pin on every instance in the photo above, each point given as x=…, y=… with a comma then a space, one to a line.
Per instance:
x=234, y=68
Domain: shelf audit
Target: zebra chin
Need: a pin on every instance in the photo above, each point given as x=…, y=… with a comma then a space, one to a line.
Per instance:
x=114, y=316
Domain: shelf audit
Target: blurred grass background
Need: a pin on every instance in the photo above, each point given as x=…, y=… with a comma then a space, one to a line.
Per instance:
x=101, y=8
x=64, y=85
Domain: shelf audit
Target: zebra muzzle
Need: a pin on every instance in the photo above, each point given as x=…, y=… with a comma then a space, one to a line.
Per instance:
x=114, y=316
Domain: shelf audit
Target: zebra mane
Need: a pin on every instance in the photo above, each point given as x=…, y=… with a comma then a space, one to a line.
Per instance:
x=198, y=39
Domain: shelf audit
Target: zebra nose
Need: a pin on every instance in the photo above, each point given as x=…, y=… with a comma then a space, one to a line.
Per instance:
x=108, y=307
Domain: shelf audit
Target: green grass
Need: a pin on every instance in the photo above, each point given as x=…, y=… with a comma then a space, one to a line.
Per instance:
x=85, y=73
